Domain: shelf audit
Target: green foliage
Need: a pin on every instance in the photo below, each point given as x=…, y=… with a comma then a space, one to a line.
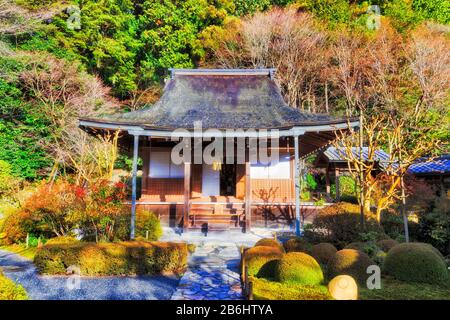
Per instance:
x=243, y=7
x=351, y=262
x=416, y=262
x=402, y=14
x=339, y=224
x=268, y=242
x=347, y=189
x=333, y=11
x=434, y=227
x=121, y=258
x=299, y=267
x=370, y=247
x=264, y=289
x=297, y=245
x=323, y=252
x=261, y=261
x=22, y=128
x=387, y=244
x=438, y=10
x=11, y=291
x=147, y=223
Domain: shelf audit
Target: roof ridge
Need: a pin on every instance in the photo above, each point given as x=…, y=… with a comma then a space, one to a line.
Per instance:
x=239, y=72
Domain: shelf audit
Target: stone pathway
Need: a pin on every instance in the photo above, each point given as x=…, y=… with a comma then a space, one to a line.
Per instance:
x=213, y=273
x=38, y=287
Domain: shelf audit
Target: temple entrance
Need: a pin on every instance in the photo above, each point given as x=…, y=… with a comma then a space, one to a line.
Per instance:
x=228, y=180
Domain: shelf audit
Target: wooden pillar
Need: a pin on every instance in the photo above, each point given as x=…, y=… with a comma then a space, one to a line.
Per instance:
x=187, y=193
x=133, y=186
x=297, y=187
x=336, y=182
x=248, y=191
x=327, y=181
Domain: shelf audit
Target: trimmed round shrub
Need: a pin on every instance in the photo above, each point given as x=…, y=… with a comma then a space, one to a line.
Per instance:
x=62, y=240
x=323, y=252
x=299, y=267
x=267, y=242
x=387, y=244
x=415, y=262
x=261, y=261
x=370, y=247
x=297, y=245
x=350, y=262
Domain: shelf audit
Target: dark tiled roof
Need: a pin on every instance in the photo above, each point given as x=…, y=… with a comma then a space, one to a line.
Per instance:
x=234, y=99
x=440, y=165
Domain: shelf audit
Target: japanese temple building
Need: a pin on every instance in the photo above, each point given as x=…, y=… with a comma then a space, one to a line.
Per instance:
x=236, y=190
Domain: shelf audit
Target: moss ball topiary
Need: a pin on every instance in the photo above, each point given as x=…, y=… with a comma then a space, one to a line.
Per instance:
x=415, y=262
x=387, y=244
x=297, y=245
x=350, y=262
x=261, y=261
x=299, y=267
x=323, y=252
x=267, y=242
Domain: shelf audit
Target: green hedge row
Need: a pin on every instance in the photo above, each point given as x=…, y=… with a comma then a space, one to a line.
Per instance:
x=121, y=258
x=11, y=291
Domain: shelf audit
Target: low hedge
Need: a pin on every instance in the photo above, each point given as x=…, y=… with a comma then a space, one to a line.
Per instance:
x=121, y=258
x=62, y=240
x=268, y=242
x=264, y=289
x=299, y=267
x=350, y=262
x=416, y=262
x=323, y=252
x=11, y=291
x=261, y=261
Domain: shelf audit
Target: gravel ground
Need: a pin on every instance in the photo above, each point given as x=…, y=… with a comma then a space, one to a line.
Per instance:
x=22, y=270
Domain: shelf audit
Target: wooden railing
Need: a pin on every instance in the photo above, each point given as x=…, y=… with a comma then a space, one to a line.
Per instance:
x=246, y=283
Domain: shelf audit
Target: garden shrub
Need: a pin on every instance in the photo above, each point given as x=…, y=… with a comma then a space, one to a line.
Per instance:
x=297, y=245
x=11, y=291
x=415, y=262
x=299, y=267
x=350, y=262
x=370, y=248
x=323, y=252
x=148, y=222
x=261, y=261
x=340, y=224
x=62, y=240
x=121, y=258
x=267, y=242
x=387, y=244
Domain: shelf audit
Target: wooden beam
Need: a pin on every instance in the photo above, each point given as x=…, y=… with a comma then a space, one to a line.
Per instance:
x=297, y=187
x=248, y=194
x=133, y=187
x=187, y=193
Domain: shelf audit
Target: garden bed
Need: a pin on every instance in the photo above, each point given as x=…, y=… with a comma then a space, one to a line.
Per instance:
x=392, y=289
x=108, y=259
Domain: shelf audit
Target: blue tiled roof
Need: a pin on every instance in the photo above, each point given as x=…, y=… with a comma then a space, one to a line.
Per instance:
x=436, y=166
x=333, y=154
